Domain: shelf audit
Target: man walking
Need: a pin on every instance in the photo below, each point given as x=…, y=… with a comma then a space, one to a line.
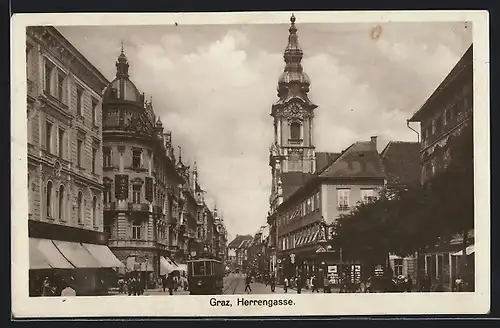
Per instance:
x=272, y=281
x=170, y=284
x=248, y=280
x=285, y=285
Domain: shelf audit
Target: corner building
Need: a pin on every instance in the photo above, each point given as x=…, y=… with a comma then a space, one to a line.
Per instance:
x=65, y=178
x=149, y=206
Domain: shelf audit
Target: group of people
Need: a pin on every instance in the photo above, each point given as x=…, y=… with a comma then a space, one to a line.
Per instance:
x=172, y=282
x=51, y=288
x=133, y=285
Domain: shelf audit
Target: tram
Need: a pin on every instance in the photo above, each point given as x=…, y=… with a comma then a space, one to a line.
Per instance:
x=205, y=276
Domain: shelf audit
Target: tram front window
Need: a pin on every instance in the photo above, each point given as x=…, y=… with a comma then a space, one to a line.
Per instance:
x=199, y=269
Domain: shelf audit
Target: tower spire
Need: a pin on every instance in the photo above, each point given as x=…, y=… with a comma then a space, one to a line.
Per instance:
x=293, y=52
x=122, y=65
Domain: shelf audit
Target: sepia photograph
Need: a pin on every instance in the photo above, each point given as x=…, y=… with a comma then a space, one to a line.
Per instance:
x=250, y=164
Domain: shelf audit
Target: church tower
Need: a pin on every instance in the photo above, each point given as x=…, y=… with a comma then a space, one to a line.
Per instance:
x=292, y=152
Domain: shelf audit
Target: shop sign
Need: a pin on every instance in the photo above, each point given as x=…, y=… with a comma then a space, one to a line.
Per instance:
x=332, y=269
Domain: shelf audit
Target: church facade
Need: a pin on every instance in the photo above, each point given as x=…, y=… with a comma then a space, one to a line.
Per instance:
x=311, y=190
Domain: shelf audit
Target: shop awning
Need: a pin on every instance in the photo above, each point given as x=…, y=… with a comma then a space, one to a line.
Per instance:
x=77, y=254
x=103, y=255
x=167, y=266
x=44, y=255
x=314, y=236
x=469, y=250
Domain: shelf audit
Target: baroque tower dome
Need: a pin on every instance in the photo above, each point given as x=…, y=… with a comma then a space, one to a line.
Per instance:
x=293, y=82
x=121, y=88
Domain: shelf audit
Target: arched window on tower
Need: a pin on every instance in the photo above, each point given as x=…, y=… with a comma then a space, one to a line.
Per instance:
x=49, y=199
x=61, y=203
x=295, y=131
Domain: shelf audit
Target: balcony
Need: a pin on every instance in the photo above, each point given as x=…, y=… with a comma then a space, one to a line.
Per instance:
x=131, y=243
x=343, y=207
x=144, y=207
x=110, y=206
x=157, y=209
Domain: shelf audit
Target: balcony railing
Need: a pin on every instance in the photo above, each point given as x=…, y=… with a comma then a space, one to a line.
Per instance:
x=157, y=209
x=131, y=243
x=138, y=207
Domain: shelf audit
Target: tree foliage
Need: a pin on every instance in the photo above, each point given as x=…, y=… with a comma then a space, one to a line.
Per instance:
x=407, y=220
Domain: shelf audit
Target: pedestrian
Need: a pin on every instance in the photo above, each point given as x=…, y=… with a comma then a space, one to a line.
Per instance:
x=314, y=284
x=326, y=285
x=67, y=291
x=248, y=281
x=272, y=281
x=409, y=284
x=368, y=285
x=170, y=284
x=300, y=284
x=285, y=285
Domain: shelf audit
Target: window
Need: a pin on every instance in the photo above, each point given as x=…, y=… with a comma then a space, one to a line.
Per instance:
x=48, y=137
x=49, y=200
x=107, y=193
x=308, y=206
x=367, y=195
x=49, y=69
x=94, y=112
x=398, y=267
x=295, y=130
x=80, y=207
x=343, y=198
x=136, y=230
x=60, y=86
x=107, y=157
x=317, y=201
x=94, y=159
x=94, y=211
x=61, y=203
x=108, y=230
x=424, y=133
x=433, y=127
x=79, y=99
x=60, y=146
x=79, y=149
x=199, y=268
x=136, y=194
x=136, y=159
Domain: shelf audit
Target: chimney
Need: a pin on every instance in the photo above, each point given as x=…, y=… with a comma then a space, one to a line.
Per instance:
x=373, y=140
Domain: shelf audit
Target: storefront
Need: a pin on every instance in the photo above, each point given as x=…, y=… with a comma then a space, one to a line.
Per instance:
x=68, y=255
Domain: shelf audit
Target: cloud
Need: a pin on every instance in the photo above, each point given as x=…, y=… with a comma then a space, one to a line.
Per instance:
x=213, y=87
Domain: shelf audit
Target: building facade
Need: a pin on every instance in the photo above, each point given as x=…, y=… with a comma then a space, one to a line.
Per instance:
x=65, y=176
x=238, y=251
x=444, y=116
x=151, y=206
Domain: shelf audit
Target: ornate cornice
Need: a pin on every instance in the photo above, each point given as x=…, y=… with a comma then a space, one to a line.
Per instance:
x=57, y=45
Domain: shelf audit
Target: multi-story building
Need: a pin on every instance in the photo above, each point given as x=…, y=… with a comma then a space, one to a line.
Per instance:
x=442, y=117
x=219, y=238
x=150, y=208
x=402, y=168
x=65, y=177
x=237, y=251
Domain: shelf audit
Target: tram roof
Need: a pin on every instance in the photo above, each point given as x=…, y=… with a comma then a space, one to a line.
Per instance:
x=204, y=260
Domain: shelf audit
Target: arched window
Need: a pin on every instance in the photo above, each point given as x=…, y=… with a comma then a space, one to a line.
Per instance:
x=80, y=207
x=61, y=202
x=295, y=130
x=94, y=211
x=49, y=199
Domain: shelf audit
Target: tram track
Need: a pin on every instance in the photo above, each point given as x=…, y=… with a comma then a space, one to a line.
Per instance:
x=231, y=286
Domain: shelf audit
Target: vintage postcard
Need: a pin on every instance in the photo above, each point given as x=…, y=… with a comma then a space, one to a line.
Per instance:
x=250, y=164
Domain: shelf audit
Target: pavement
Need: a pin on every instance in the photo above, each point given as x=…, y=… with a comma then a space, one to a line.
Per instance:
x=234, y=284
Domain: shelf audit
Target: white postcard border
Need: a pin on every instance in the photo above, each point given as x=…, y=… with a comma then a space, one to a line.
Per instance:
x=305, y=304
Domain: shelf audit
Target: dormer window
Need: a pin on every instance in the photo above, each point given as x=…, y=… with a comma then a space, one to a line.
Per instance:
x=295, y=131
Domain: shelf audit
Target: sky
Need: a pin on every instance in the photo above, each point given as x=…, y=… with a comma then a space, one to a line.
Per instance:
x=213, y=86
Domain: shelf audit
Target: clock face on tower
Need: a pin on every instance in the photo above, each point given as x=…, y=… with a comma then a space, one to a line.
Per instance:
x=294, y=110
